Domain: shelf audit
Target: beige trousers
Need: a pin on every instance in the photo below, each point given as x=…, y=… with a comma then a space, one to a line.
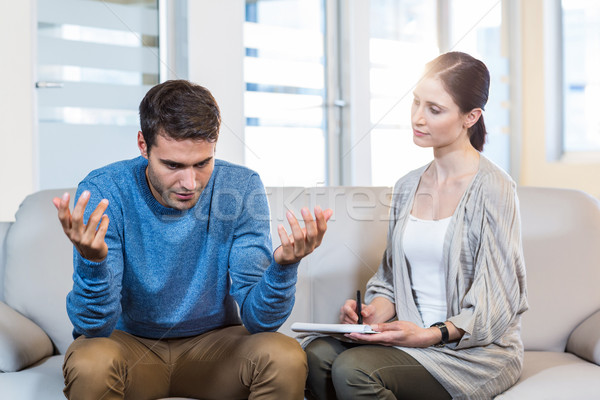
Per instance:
x=226, y=363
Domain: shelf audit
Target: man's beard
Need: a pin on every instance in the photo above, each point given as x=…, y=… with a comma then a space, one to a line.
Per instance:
x=168, y=195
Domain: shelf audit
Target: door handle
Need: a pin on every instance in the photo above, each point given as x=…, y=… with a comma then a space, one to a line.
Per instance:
x=49, y=85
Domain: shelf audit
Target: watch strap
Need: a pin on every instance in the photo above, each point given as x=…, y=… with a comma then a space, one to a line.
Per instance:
x=445, y=335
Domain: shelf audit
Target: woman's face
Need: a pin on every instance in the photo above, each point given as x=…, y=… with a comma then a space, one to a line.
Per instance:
x=436, y=119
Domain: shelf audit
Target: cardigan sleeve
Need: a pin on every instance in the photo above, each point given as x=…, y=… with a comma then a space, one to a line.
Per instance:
x=497, y=292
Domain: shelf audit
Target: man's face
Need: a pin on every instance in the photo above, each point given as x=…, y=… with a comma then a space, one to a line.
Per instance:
x=178, y=170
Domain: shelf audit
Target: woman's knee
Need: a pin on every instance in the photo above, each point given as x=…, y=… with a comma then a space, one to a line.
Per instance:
x=347, y=369
x=354, y=374
x=321, y=353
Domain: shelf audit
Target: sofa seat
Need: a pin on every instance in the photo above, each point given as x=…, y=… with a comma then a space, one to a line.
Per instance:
x=553, y=375
x=43, y=377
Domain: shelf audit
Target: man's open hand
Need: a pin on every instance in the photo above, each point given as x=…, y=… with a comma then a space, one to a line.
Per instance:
x=87, y=239
x=302, y=241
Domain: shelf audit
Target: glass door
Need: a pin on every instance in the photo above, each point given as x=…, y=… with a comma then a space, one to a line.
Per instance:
x=95, y=61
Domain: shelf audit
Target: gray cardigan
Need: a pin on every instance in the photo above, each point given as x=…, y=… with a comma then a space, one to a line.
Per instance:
x=485, y=283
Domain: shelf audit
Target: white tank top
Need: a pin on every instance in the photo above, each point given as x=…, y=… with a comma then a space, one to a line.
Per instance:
x=423, y=243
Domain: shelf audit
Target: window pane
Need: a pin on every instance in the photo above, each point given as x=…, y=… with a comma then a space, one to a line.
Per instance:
x=398, y=28
x=292, y=158
x=284, y=101
x=581, y=82
x=476, y=30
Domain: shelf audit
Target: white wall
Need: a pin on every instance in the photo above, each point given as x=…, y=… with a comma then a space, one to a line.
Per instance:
x=16, y=105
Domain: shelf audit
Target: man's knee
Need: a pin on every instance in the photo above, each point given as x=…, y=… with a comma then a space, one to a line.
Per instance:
x=92, y=358
x=282, y=352
x=279, y=367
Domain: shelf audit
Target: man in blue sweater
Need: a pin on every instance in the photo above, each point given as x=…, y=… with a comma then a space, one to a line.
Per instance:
x=167, y=247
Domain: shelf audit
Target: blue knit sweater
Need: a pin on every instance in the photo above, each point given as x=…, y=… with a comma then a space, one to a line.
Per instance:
x=173, y=273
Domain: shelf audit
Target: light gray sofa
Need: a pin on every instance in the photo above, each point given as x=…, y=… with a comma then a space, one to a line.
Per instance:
x=561, y=331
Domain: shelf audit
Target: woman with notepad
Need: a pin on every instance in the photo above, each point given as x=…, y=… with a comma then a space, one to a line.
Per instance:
x=448, y=296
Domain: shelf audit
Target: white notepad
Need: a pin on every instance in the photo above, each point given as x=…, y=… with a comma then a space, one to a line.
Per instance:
x=331, y=328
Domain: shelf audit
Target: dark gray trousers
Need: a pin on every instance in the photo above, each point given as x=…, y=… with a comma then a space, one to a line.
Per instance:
x=341, y=370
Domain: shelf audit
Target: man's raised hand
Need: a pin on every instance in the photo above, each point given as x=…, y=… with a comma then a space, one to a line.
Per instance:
x=87, y=239
x=302, y=241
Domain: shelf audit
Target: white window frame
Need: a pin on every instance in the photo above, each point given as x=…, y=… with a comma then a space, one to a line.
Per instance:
x=553, y=82
x=173, y=39
x=553, y=76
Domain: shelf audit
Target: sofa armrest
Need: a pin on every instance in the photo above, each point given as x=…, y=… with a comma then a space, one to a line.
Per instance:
x=22, y=342
x=584, y=341
x=3, y=230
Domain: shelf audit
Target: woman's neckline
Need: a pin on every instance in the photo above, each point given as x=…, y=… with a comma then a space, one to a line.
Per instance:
x=412, y=217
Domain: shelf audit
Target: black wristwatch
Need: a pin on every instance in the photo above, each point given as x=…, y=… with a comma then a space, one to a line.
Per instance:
x=445, y=334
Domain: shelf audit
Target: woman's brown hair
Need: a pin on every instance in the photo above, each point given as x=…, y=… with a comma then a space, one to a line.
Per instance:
x=467, y=80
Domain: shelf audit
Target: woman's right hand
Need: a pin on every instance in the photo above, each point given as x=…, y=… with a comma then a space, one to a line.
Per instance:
x=378, y=311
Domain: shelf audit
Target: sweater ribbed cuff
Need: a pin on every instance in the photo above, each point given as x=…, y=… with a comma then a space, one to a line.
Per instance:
x=90, y=270
x=283, y=275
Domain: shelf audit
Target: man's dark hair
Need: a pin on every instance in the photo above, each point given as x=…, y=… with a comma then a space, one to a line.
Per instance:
x=179, y=109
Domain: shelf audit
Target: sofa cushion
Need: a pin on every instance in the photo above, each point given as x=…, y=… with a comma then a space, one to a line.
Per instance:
x=555, y=376
x=561, y=232
x=585, y=339
x=22, y=342
x=39, y=267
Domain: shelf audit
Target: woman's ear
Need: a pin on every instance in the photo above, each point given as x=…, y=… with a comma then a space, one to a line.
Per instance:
x=472, y=117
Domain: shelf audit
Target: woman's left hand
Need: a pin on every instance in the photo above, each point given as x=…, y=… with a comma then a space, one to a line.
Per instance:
x=399, y=333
